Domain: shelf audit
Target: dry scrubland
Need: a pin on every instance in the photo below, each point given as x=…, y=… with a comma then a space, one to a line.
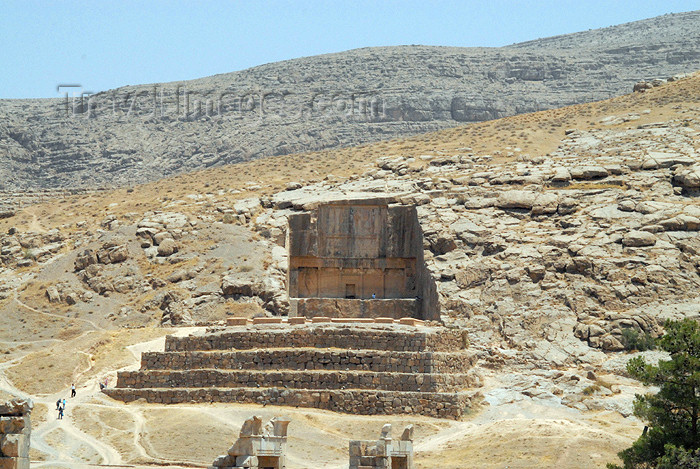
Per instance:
x=48, y=344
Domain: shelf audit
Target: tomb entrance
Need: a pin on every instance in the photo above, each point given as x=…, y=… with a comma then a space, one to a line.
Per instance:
x=359, y=258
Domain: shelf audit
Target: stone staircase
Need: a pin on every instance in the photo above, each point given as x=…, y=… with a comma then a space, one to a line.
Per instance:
x=353, y=368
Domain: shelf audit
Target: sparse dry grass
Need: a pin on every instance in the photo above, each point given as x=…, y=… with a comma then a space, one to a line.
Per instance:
x=528, y=443
x=78, y=360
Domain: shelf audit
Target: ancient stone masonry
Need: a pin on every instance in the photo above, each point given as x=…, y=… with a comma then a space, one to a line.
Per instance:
x=257, y=447
x=406, y=339
x=384, y=453
x=15, y=428
x=309, y=359
x=359, y=258
x=361, y=369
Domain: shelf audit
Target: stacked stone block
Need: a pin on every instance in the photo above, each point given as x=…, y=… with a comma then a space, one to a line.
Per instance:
x=350, y=337
x=257, y=447
x=315, y=379
x=312, y=359
x=15, y=428
x=356, y=369
x=385, y=453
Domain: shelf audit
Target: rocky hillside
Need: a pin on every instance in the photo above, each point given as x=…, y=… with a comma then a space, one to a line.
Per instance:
x=574, y=225
x=142, y=133
x=559, y=241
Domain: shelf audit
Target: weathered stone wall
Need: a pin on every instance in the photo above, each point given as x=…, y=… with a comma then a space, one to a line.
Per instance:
x=429, y=307
x=15, y=429
x=365, y=402
x=359, y=249
x=384, y=453
x=353, y=249
x=359, y=368
x=324, y=336
x=347, y=308
x=316, y=379
x=311, y=359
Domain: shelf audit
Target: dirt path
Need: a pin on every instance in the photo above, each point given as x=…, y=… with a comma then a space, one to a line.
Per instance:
x=58, y=316
x=34, y=225
x=62, y=442
x=456, y=431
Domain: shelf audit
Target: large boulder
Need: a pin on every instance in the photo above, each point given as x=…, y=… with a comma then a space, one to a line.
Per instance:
x=687, y=178
x=567, y=206
x=177, y=313
x=637, y=239
x=546, y=203
x=237, y=284
x=588, y=172
x=658, y=159
x=112, y=253
x=472, y=275
x=538, y=202
x=52, y=294
x=561, y=176
x=441, y=242
x=516, y=199
x=84, y=259
x=167, y=247
x=6, y=212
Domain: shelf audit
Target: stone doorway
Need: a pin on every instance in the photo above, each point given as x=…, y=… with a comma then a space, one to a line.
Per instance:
x=350, y=291
x=399, y=462
x=269, y=462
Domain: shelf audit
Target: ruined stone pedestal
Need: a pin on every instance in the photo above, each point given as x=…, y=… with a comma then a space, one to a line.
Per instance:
x=15, y=429
x=385, y=453
x=257, y=447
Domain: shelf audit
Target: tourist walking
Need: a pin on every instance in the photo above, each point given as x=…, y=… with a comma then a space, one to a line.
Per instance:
x=72, y=390
x=60, y=413
x=58, y=404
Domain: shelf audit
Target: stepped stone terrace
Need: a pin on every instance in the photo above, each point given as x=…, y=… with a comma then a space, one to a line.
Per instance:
x=354, y=368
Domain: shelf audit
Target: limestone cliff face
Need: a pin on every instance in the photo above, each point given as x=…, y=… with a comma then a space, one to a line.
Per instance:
x=140, y=133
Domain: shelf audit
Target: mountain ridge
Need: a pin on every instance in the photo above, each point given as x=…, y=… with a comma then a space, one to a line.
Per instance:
x=141, y=133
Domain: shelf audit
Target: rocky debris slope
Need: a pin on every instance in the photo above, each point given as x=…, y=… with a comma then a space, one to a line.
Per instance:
x=161, y=268
x=558, y=255
x=141, y=133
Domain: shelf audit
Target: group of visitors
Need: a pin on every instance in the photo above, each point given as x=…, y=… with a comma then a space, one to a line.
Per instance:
x=61, y=403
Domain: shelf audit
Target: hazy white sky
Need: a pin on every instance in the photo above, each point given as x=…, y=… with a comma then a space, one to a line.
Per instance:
x=103, y=45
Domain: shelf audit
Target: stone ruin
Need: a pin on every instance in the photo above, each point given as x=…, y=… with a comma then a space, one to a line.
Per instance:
x=355, y=341
x=360, y=257
x=15, y=429
x=384, y=453
x=257, y=447
x=352, y=368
